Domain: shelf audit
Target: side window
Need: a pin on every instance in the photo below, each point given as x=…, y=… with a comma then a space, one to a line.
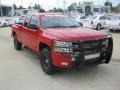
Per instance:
x=22, y=18
x=107, y=18
x=6, y=20
x=102, y=18
x=27, y=20
x=33, y=23
x=82, y=17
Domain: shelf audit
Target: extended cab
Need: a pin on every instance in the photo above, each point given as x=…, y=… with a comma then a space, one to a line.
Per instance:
x=61, y=42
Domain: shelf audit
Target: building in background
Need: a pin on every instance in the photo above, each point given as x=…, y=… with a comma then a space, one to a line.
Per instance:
x=6, y=10
x=88, y=8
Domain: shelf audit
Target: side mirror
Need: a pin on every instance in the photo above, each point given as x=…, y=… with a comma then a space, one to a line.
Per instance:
x=32, y=26
x=20, y=23
x=25, y=23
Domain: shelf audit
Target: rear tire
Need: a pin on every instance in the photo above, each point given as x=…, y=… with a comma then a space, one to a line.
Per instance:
x=98, y=27
x=111, y=30
x=17, y=44
x=4, y=24
x=46, y=62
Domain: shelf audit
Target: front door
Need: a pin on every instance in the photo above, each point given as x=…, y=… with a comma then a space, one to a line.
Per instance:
x=33, y=34
x=24, y=31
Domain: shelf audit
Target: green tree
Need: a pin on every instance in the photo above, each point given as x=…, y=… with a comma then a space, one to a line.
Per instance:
x=35, y=6
x=39, y=8
x=108, y=3
x=56, y=10
x=15, y=7
x=29, y=7
x=21, y=7
x=72, y=7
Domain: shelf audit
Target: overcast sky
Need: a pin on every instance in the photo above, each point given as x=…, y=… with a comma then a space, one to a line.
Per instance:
x=47, y=4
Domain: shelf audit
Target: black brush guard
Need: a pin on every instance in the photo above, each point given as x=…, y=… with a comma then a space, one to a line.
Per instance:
x=80, y=52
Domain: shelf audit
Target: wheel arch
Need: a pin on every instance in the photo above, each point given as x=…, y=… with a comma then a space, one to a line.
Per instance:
x=43, y=45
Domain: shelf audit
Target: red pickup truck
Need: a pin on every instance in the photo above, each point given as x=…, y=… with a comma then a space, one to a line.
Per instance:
x=61, y=42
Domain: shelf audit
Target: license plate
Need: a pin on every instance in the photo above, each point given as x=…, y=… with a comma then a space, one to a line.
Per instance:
x=92, y=56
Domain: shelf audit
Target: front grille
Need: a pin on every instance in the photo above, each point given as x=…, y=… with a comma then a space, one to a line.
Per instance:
x=88, y=47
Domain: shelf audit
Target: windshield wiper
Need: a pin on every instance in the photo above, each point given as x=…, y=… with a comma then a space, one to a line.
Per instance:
x=56, y=27
x=73, y=26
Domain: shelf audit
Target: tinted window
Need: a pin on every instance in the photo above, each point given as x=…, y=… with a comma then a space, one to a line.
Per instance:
x=34, y=20
x=22, y=18
x=102, y=18
x=92, y=17
x=83, y=17
x=107, y=18
x=57, y=22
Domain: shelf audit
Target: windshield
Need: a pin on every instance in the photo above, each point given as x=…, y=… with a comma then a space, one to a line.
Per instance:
x=58, y=21
x=115, y=18
x=92, y=17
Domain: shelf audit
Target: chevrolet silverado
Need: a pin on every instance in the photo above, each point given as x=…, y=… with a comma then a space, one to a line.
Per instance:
x=60, y=42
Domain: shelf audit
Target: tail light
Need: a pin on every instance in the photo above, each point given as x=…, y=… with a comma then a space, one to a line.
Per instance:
x=91, y=22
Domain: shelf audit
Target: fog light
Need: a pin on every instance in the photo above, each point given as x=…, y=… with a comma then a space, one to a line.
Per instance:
x=73, y=59
x=64, y=63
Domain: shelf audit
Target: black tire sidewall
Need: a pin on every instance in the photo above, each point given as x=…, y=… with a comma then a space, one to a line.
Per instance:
x=98, y=27
x=111, y=30
x=50, y=69
x=17, y=44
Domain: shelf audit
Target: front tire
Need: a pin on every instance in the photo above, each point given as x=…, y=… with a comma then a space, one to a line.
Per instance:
x=17, y=44
x=46, y=62
x=111, y=30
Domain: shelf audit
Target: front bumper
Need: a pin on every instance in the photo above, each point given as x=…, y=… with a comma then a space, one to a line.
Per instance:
x=78, y=56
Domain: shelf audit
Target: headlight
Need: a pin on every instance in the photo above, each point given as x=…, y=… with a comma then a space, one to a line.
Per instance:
x=61, y=46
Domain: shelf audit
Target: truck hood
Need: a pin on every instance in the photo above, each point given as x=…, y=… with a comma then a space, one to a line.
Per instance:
x=70, y=34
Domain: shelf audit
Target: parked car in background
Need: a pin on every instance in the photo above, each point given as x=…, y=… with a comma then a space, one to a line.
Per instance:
x=114, y=23
x=6, y=22
x=79, y=19
x=20, y=19
x=95, y=22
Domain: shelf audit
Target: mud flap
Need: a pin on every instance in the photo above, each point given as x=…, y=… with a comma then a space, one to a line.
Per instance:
x=109, y=51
